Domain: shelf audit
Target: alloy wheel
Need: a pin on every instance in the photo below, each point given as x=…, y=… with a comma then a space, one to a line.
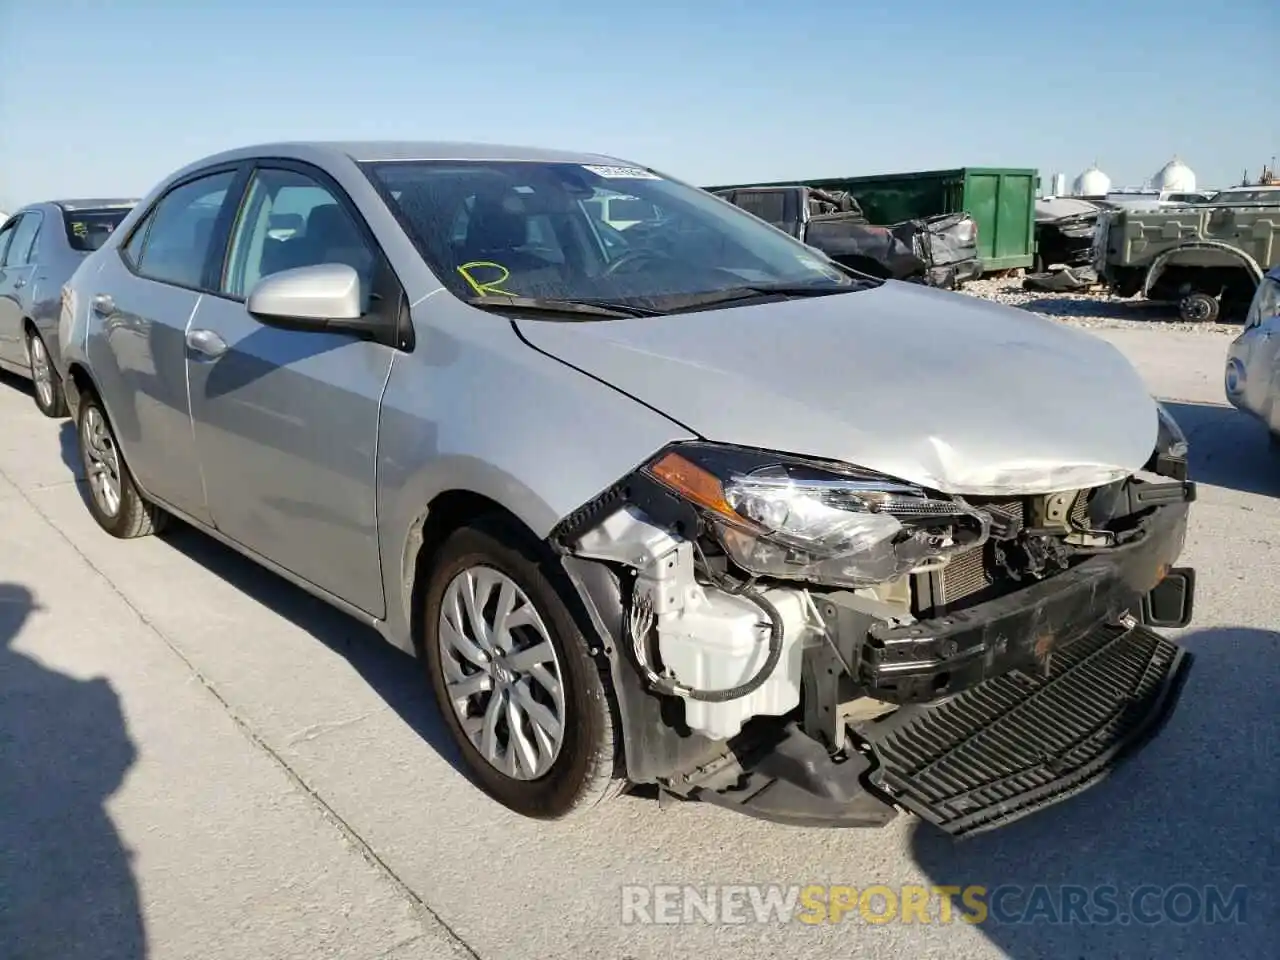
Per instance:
x=41, y=370
x=102, y=462
x=502, y=672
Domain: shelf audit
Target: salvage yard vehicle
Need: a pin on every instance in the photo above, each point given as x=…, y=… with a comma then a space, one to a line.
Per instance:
x=941, y=251
x=1207, y=258
x=1252, y=376
x=1064, y=232
x=40, y=248
x=694, y=507
x=1000, y=200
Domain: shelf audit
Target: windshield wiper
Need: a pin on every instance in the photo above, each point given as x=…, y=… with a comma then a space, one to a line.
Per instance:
x=756, y=291
x=591, y=308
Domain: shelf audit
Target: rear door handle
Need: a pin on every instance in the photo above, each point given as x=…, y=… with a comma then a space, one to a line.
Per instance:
x=206, y=343
x=103, y=305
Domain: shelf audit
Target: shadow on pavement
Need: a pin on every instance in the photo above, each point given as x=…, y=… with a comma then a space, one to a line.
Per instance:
x=393, y=674
x=1195, y=810
x=1088, y=305
x=67, y=890
x=1229, y=448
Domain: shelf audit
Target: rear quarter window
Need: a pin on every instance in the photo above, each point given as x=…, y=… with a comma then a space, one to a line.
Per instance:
x=87, y=230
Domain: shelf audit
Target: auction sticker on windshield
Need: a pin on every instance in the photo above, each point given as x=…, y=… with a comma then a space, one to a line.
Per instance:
x=621, y=173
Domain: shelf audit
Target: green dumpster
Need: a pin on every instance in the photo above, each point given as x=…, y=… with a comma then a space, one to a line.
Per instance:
x=1001, y=200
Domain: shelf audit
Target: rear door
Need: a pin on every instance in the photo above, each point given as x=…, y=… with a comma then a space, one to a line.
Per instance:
x=144, y=298
x=16, y=269
x=286, y=421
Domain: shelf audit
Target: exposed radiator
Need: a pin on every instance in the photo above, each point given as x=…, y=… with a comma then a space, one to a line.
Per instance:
x=967, y=573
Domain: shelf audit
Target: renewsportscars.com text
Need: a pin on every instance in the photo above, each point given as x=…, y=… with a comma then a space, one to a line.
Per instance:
x=673, y=904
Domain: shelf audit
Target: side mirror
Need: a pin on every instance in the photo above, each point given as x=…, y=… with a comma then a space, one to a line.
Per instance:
x=320, y=298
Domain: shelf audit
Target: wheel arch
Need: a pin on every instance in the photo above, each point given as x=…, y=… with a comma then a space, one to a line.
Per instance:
x=1231, y=256
x=81, y=381
x=446, y=512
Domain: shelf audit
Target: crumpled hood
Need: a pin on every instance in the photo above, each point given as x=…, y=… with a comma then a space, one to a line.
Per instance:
x=936, y=388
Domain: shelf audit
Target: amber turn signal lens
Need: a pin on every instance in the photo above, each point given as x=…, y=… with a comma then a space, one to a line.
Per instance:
x=693, y=483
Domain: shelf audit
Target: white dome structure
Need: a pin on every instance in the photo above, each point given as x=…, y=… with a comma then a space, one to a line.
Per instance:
x=1092, y=183
x=1176, y=176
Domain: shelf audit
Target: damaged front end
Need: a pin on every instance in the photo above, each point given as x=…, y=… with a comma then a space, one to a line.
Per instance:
x=816, y=644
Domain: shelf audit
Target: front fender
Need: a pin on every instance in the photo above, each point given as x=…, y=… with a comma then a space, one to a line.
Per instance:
x=475, y=409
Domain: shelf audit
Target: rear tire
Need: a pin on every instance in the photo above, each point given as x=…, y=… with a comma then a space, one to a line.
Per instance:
x=545, y=770
x=113, y=499
x=51, y=400
x=1199, y=308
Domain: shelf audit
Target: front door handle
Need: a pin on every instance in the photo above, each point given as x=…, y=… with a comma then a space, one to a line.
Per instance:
x=20, y=283
x=207, y=343
x=103, y=305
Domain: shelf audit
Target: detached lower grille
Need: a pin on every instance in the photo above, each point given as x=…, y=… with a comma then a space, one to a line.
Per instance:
x=1020, y=742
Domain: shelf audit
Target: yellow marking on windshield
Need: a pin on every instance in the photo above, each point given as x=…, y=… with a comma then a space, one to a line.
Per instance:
x=493, y=286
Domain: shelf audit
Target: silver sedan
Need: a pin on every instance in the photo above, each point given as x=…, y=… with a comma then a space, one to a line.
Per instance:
x=686, y=504
x=40, y=248
x=1252, y=376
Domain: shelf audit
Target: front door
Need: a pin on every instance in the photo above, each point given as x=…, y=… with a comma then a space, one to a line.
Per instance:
x=286, y=422
x=16, y=269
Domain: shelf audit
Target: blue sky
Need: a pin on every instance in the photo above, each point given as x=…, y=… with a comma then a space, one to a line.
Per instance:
x=105, y=98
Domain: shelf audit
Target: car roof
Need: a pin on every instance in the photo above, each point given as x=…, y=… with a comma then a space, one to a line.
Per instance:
x=367, y=151
x=94, y=204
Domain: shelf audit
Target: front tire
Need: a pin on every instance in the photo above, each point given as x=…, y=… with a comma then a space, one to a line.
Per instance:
x=516, y=686
x=51, y=400
x=114, y=500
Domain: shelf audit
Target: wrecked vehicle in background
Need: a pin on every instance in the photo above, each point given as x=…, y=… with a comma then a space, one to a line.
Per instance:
x=939, y=251
x=1064, y=232
x=1208, y=258
x=710, y=513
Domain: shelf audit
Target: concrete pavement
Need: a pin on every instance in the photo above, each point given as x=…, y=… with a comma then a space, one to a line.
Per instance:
x=198, y=760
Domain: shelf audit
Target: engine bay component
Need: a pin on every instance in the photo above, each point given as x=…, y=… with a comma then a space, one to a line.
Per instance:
x=730, y=654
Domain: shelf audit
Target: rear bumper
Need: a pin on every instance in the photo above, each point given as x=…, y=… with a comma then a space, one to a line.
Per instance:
x=1043, y=693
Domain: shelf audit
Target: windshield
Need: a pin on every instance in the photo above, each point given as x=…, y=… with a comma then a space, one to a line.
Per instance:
x=1247, y=196
x=87, y=230
x=568, y=231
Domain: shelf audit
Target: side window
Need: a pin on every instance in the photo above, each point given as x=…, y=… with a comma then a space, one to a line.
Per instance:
x=24, y=240
x=324, y=232
x=133, y=249
x=6, y=234
x=179, y=231
x=769, y=205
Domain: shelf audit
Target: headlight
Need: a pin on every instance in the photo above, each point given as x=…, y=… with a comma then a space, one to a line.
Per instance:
x=1170, y=440
x=781, y=516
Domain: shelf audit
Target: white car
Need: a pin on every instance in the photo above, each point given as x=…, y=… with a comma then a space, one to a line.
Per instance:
x=1253, y=358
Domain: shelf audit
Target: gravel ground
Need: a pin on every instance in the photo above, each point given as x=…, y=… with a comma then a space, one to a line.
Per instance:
x=1093, y=310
